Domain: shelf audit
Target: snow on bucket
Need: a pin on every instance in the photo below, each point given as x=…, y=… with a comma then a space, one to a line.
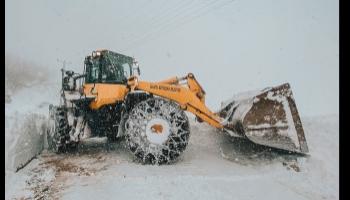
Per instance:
x=268, y=117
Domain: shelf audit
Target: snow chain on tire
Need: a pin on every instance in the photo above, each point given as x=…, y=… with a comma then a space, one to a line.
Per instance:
x=58, y=133
x=174, y=118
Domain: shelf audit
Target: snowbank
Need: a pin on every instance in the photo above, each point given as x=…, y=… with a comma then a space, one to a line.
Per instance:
x=24, y=139
x=25, y=124
x=28, y=92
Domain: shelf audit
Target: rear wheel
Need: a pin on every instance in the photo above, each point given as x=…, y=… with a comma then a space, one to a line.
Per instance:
x=157, y=131
x=58, y=132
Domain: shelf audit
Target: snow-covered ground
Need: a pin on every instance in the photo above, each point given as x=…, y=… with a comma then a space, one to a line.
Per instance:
x=214, y=166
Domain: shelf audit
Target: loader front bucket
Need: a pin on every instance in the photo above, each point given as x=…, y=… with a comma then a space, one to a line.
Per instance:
x=267, y=117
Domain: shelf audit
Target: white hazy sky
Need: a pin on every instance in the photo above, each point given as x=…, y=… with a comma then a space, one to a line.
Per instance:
x=231, y=46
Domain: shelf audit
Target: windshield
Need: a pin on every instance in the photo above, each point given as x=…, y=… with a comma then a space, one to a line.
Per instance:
x=108, y=68
x=92, y=72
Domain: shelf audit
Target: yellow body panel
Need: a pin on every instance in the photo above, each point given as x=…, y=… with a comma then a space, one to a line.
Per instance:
x=105, y=93
x=189, y=96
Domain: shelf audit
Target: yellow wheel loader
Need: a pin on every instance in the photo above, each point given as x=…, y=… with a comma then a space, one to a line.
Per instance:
x=109, y=99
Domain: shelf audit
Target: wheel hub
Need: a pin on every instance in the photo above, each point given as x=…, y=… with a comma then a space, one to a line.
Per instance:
x=157, y=130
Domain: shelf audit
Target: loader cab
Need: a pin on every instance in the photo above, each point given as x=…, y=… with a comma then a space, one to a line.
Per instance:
x=108, y=67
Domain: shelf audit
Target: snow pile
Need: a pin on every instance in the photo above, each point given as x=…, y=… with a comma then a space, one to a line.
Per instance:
x=28, y=95
x=24, y=138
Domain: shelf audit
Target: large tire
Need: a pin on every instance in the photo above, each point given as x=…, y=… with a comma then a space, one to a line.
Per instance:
x=58, y=133
x=152, y=145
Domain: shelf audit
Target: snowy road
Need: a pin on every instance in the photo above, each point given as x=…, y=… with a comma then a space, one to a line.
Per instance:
x=213, y=167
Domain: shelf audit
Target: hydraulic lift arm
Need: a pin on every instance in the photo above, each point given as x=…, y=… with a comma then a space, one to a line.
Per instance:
x=186, y=91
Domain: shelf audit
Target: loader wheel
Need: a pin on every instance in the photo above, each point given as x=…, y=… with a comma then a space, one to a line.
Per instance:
x=58, y=132
x=157, y=131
